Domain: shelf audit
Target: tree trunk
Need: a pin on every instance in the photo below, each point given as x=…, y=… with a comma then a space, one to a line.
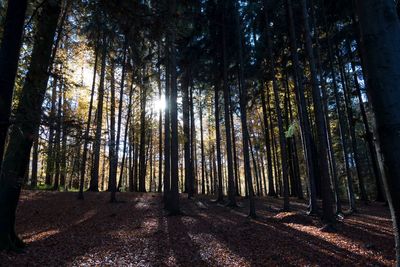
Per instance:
x=380, y=33
x=112, y=175
x=186, y=132
x=121, y=102
x=369, y=138
x=142, y=155
x=35, y=158
x=9, y=56
x=342, y=131
x=303, y=113
x=351, y=123
x=271, y=189
x=235, y=159
x=57, y=139
x=174, y=198
x=327, y=194
x=167, y=126
x=282, y=138
x=125, y=137
x=203, y=160
x=94, y=180
x=63, y=157
x=87, y=130
x=27, y=120
x=160, y=131
x=231, y=182
x=218, y=144
x=243, y=117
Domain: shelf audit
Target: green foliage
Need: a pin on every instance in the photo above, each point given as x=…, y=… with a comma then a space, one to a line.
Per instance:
x=293, y=128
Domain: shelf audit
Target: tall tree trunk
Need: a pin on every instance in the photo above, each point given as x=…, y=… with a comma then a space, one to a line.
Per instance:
x=235, y=159
x=125, y=137
x=351, y=123
x=203, y=160
x=327, y=194
x=112, y=175
x=271, y=189
x=193, y=147
x=142, y=155
x=331, y=154
x=27, y=120
x=9, y=55
x=87, y=130
x=380, y=33
x=167, y=126
x=305, y=126
x=218, y=144
x=174, y=198
x=57, y=139
x=369, y=138
x=342, y=125
x=231, y=182
x=160, y=131
x=120, y=105
x=50, y=161
x=243, y=117
x=186, y=132
x=63, y=157
x=282, y=138
x=94, y=179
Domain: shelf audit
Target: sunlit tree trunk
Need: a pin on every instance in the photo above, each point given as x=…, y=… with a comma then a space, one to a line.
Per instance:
x=142, y=154
x=87, y=130
x=94, y=179
x=203, y=160
x=231, y=183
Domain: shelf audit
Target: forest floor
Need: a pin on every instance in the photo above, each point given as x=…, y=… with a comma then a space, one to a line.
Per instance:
x=62, y=231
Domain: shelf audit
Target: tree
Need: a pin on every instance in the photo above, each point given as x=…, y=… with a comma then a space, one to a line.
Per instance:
x=27, y=120
x=174, y=197
x=328, y=215
x=380, y=34
x=94, y=178
x=9, y=55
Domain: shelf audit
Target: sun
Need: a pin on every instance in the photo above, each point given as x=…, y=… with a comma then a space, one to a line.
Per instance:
x=159, y=104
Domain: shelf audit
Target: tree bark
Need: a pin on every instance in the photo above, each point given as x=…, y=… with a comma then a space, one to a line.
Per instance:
x=94, y=179
x=9, y=56
x=243, y=117
x=87, y=130
x=305, y=126
x=327, y=194
x=174, y=198
x=282, y=138
x=231, y=183
x=380, y=33
x=27, y=120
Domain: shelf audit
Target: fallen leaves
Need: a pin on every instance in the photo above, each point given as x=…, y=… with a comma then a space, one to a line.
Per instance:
x=62, y=231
